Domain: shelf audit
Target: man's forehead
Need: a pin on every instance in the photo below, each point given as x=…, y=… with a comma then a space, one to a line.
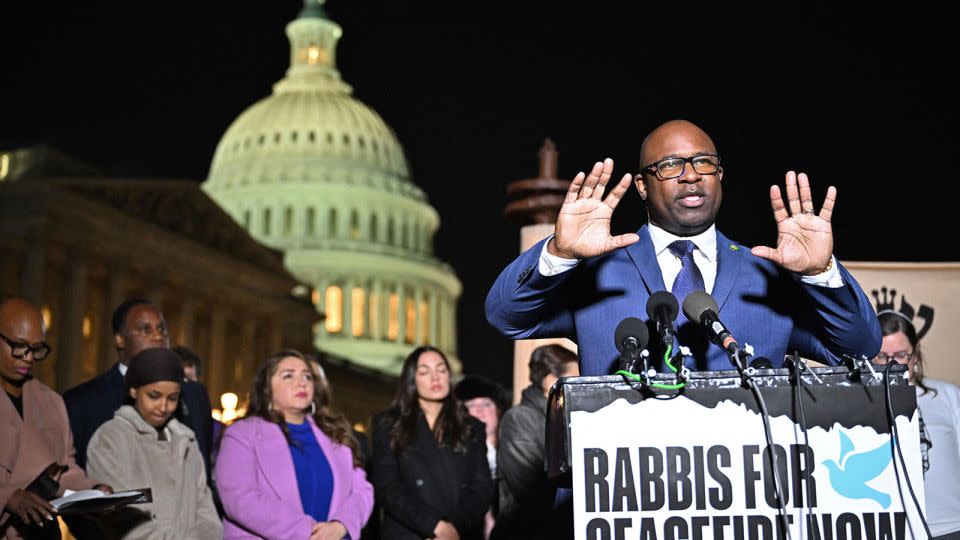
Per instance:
x=676, y=139
x=144, y=311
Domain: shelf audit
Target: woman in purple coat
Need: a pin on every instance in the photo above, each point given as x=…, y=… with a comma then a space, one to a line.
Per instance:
x=291, y=468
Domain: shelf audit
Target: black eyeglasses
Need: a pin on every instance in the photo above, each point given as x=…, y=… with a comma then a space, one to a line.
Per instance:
x=19, y=349
x=899, y=356
x=675, y=166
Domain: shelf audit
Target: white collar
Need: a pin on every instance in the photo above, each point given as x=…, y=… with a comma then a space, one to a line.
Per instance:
x=706, y=241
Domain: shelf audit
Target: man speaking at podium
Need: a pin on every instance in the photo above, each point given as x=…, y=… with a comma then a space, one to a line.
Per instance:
x=581, y=282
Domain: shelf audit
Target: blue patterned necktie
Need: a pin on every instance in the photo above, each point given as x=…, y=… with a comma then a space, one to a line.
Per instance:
x=689, y=279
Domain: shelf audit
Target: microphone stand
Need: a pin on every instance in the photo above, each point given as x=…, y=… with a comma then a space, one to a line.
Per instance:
x=630, y=358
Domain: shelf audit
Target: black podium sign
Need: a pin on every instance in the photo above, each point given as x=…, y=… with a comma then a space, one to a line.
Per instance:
x=645, y=463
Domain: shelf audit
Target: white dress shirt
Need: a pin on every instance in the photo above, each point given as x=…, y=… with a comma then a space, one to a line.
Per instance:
x=705, y=256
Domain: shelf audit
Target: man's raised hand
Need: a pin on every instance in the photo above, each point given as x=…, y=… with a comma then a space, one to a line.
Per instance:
x=583, y=225
x=804, y=238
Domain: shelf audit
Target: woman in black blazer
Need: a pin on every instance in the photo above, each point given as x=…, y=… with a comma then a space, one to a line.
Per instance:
x=429, y=467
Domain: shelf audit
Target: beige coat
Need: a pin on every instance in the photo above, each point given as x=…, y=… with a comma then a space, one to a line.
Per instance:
x=126, y=453
x=31, y=444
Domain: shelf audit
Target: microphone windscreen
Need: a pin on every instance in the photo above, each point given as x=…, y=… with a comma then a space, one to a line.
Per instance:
x=696, y=303
x=761, y=362
x=631, y=327
x=663, y=299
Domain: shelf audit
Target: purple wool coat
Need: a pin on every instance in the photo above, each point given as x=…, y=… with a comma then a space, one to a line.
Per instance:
x=258, y=484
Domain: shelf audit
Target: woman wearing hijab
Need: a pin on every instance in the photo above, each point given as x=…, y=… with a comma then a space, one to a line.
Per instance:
x=144, y=446
x=429, y=461
x=290, y=470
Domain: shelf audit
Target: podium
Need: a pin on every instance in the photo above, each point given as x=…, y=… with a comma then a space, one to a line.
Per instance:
x=693, y=464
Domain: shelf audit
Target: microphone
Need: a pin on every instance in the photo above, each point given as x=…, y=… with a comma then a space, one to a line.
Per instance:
x=662, y=308
x=701, y=307
x=631, y=338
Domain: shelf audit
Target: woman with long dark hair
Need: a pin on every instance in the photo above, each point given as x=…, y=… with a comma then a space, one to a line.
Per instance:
x=939, y=404
x=290, y=469
x=429, y=457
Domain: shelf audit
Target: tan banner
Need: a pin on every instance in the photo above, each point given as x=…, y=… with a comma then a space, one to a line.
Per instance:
x=929, y=293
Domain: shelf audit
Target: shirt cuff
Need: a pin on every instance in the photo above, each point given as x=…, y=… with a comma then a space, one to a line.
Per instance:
x=832, y=278
x=551, y=265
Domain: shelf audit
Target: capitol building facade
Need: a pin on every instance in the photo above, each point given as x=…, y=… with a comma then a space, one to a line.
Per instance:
x=315, y=173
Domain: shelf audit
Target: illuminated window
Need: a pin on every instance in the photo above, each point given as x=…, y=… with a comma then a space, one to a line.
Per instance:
x=288, y=221
x=315, y=297
x=424, y=322
x=334, y=322
x=4, y=166
x=374, y=314
x=315, y=55
x=354, y=224
x=411, y=309
x=86, y=326
x=393, y=322
x=358, y=313
x=47, y=317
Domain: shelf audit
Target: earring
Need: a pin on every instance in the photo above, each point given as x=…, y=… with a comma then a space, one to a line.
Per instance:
x=270, y=406
x=313, y=408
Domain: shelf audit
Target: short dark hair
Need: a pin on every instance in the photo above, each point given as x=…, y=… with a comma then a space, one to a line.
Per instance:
x=548, y=359
x=190, y=358
x=475, y=386
x=119, y=318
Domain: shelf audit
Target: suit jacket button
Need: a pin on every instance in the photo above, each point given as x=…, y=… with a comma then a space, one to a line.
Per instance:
x=419, y=482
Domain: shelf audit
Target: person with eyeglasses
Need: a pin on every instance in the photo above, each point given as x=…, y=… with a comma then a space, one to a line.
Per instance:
x=939, y=404
x=582, y=281
x=36, y=447
x=137, y=325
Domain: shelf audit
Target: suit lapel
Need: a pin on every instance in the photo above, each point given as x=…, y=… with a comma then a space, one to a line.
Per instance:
x=728, y=268
x=117, y=389
x=645, y=259
x=273, y=454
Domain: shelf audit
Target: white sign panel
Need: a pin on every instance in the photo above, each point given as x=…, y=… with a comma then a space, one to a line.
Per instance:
x=674, y=469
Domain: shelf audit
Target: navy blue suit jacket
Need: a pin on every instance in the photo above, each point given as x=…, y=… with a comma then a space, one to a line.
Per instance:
x=762, y=304
x=92, y=403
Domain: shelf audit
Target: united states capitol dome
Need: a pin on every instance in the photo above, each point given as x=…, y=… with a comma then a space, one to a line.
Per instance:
x=314, y=172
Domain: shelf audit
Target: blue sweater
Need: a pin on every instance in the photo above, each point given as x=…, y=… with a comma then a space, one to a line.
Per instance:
x=314, y=476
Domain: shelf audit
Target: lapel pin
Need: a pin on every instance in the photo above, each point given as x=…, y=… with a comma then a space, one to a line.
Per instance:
x=734, y=247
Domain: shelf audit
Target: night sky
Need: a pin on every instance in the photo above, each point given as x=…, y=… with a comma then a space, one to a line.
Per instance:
x=857, y=99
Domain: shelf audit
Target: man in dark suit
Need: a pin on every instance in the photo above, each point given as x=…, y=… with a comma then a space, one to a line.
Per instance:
x=581, y=282
x=137, y=325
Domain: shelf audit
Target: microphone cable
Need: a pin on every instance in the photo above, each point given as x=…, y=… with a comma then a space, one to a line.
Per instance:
x=797, y=368
x=895, y=442
x=771, y=450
